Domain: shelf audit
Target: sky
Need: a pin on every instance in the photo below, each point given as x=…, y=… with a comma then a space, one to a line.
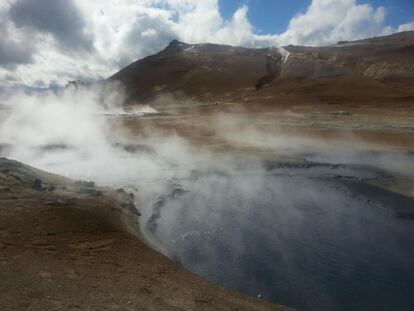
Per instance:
x=46, y=43
x=273, y=16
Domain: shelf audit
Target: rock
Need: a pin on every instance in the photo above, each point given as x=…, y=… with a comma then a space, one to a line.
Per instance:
x=51, y=188
x=37, y=184
x=203, y=299
x=89, y=184
x=82, y=183
x=55, y=202
x=92, y=192
x=45, y=275
x=341, y=113
x=131, y=208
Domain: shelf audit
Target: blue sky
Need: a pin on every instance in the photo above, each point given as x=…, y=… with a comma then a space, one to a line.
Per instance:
x=273, y=16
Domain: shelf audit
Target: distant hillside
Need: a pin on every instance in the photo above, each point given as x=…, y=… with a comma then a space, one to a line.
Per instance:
x=382, y=66
x=200, y=69
x=389, y=57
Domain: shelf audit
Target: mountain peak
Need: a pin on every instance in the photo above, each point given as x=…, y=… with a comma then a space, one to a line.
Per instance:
x=175, y=43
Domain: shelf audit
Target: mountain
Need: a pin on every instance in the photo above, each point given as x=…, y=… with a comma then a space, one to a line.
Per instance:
x=369, y=68
x=199, y=69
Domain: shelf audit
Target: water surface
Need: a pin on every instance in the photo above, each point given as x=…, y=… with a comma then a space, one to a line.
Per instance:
x=306, y=242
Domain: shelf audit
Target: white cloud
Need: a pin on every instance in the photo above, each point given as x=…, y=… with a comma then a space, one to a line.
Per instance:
x=59, y=18
x=406, y=27
x=113, y=33
x=203, y=23
x=329, y=21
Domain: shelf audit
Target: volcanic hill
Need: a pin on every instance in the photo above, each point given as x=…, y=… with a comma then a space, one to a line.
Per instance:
x=377, y=68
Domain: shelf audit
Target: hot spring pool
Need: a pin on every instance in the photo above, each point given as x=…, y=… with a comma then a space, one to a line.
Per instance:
x=310, y=241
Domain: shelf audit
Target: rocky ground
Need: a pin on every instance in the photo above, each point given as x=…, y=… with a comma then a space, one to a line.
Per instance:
x=65, y=245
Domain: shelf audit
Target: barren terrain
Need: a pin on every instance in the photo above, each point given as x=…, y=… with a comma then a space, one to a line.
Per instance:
x=66, y=249
x=73, y=245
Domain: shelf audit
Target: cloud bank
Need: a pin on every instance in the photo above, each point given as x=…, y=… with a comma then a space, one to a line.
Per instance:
x=51, y=42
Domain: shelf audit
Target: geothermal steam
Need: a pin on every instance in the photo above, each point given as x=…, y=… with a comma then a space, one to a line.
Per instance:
x=219, y=214
x=71, y=132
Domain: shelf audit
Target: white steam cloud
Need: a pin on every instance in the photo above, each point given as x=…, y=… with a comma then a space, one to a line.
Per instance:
x=71, y=133
x=79, y=132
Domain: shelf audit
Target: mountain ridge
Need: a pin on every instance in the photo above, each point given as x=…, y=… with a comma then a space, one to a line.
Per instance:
x=210, y=72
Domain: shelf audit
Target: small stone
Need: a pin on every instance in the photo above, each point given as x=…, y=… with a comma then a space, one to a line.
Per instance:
x=37, y=184
x=90, y=184
x=44, y=274
x=51, y=188
x=55, y=203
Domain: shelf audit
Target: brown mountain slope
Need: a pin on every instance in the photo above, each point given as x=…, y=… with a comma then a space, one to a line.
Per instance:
x=373, y=68
x=200, y=69
x=381, y=58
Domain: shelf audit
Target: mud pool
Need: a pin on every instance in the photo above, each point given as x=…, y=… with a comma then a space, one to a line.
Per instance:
x=312, y=236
